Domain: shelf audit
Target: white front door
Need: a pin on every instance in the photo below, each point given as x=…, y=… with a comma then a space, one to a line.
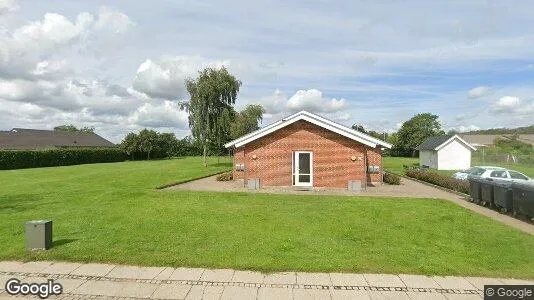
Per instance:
x=303, y=168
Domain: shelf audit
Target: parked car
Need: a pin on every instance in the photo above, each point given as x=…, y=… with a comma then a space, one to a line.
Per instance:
x=475, y=171
x=502, y=174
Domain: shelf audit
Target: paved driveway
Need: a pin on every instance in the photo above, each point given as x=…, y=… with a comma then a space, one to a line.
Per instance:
x=104, y=281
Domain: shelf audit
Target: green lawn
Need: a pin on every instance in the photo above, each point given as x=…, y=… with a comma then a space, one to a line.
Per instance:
x=112, y=213
x=395, y=164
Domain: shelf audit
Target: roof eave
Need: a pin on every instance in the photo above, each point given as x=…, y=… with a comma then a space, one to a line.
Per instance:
x=314, y=119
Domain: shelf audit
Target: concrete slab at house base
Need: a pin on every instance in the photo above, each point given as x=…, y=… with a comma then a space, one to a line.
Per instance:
x=408, y=189
x=197, y=283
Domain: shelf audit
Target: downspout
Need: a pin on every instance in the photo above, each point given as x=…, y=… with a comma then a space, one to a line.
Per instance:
x=245, y=168
x=231, y=152
x=365, y=167
x=381, y=166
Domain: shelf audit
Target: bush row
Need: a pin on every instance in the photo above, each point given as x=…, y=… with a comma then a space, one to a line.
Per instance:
x=21, y=159
x=391, y=178
x=227, y=176
x=461, y=186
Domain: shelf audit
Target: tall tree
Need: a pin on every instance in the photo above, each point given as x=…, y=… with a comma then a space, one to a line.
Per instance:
x=147, y=141
x=150, y=144
x=372, y=133
x=130, y=144
x=72, y=128
x=247, y=120
x=212, y=96
x=416, y=130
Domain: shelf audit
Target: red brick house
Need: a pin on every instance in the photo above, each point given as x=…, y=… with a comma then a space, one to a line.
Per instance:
x=306, y=150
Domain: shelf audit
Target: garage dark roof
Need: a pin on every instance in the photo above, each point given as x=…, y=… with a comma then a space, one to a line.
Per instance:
x=433, y=142
x=20, y=138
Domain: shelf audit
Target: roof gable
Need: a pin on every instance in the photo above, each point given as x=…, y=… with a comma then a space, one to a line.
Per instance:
x=314, y=119
x=438, y=142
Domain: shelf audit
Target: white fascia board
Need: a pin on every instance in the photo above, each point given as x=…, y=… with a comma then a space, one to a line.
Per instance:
x=458, y=138
x=351, y=131
x=305, y=117
x=268, y=127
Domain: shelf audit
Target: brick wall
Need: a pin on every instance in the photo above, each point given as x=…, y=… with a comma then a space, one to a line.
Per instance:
x=332, y=164
x=239, y=158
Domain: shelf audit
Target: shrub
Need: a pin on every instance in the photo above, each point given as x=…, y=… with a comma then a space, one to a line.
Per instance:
x=227, y=176
x=391, y=178
x=21, y=159
x=461, y=186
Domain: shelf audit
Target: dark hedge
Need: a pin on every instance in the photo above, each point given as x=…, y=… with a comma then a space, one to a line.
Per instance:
x=461, y=186
x=21, y=159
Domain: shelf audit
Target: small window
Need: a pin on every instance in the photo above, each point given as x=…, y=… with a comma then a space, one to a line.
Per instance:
x=498, y=174
x=477, y=171
x=517, y=175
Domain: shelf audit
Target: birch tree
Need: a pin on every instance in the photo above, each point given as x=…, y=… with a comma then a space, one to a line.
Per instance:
x=212, y=96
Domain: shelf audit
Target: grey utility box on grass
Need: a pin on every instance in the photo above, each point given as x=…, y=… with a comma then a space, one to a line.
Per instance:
x=253, y=184
x=39, y=235
x=355, y=186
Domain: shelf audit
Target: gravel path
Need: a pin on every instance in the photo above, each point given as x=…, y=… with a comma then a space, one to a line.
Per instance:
x=408, y=188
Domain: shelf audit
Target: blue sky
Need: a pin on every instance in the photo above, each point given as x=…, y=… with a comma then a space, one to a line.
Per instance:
x=119, y=66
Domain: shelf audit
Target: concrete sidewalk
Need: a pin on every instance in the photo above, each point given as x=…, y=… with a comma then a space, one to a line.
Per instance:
x=104, y=281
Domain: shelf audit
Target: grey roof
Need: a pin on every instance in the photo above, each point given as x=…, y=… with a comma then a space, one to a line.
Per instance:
x=20, y=138
x=433, y=142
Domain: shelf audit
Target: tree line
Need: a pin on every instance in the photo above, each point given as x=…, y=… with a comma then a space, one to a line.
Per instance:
x=149, y=144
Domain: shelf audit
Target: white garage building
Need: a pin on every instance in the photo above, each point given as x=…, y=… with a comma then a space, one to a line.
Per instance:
x=445, y=152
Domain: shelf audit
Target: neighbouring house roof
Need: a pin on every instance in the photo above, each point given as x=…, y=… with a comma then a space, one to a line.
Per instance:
x=314, y=119
x=438, y=142
x=20, y=138
x=489, y=139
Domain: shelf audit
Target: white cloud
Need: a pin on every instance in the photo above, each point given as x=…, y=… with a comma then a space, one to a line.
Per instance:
x=478, y=92
x=28, y=51
x=18, y=90
x=8, y=6
x=166, y=114
x=463, y=128
x=513, y=106
x=311, y=100
x=113, y=20
x=159, y=81
x=274, y=103
x=164, y=77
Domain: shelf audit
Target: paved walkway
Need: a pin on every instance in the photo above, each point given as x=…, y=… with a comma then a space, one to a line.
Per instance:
x=104, y=281
x=408, y=188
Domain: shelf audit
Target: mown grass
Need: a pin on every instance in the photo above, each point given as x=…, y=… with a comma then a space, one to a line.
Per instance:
x=112, y=213
x=395, y=164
